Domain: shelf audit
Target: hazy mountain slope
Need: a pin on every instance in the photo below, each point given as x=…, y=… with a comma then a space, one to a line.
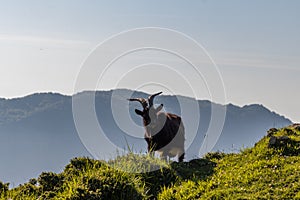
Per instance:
x=38, y=132
x=44, y=140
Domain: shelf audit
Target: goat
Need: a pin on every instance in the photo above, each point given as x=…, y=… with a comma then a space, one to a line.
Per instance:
x=164, y=132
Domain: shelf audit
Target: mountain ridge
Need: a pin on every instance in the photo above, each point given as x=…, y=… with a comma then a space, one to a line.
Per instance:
x=137, y=93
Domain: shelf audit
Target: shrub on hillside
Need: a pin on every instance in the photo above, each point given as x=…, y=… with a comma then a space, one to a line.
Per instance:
x=109, y=183
x=26, y=190
x=49, y=181
x=215, y=155
x=79, y=165
x=3, y=187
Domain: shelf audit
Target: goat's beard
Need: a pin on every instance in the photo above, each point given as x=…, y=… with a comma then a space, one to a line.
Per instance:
x=157, y=124
x=154, y=128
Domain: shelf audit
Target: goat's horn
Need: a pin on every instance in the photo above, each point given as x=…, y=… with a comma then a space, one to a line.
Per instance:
x=141, y=100
x=151, y=98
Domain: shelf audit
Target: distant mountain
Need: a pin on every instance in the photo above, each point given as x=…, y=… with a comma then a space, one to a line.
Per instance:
x=38, y=132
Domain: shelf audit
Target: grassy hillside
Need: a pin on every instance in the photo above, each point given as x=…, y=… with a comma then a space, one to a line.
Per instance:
x=269, y=170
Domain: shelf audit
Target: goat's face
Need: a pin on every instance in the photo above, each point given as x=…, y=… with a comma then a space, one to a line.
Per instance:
x=149, y=115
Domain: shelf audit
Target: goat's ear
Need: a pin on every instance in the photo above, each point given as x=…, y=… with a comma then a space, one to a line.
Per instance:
x=138, y=112
x=159, y=107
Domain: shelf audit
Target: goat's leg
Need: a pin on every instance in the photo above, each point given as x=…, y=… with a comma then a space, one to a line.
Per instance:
x=164, y=157
x=151, y=152
x=181, y=157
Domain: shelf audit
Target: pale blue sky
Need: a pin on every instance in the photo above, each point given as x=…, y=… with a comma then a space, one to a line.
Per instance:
x=255, y=43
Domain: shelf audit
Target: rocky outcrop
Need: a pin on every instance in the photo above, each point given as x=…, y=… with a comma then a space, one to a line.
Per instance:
x=279, y=141
x=271, y=132
x=284, y=140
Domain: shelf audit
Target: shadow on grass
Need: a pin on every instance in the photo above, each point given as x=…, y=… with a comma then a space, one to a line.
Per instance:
x=196, y=169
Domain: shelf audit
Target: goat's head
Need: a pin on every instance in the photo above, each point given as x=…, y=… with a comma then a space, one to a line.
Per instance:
x=149, y=113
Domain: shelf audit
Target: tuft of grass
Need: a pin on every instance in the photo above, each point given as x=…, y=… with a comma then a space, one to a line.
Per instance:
x=262, y=172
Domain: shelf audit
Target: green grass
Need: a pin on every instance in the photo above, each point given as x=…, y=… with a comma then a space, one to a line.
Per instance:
x=255, y=173
x=261, y=172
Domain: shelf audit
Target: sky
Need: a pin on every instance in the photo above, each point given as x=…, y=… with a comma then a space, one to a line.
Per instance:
x=255, y=44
